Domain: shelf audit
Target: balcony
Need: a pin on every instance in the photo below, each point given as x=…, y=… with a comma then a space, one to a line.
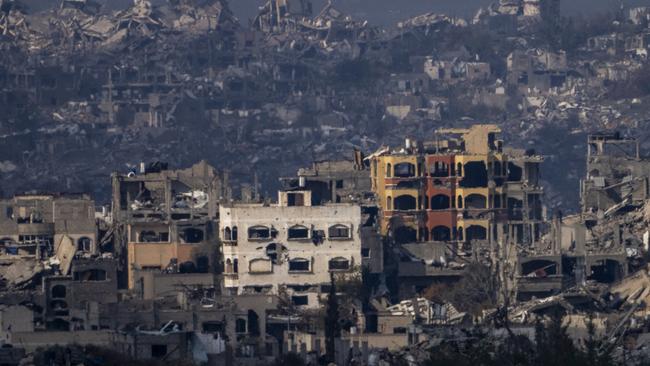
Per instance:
x=229, y=243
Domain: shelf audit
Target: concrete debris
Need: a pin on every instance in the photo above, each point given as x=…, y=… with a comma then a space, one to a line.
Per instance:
x=427, y=311
x=19, y=274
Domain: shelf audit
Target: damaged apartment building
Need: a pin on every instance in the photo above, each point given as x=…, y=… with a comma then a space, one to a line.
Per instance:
x=289, y=248
x=34, y=225
x=53, y=260
x=606, y=236
x=44, y=231
x=448, y=202
x=604, y=242
x=166, y=220
x=345, y=181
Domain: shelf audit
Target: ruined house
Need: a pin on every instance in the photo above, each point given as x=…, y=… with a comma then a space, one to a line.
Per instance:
x=456, y=70
x=537, y=69
x=38, y=225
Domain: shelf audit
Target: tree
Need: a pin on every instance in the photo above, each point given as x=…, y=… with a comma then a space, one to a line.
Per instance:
x=594, y=347
x=332, y=328
x=554, y=346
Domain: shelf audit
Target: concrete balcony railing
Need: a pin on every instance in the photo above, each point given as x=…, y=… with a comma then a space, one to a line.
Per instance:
x=229, y=243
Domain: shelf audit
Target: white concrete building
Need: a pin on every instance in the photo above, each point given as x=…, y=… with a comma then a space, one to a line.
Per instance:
x=291, y=246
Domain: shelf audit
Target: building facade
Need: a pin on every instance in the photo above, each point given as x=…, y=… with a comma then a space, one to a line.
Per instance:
x=167, y=218
x=36, y=225
x=458, y=189
x=289, y=248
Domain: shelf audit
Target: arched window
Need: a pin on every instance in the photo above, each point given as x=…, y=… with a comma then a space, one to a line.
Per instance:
x=84, y=244
x=227, y=234
x=299, y=265
x=460, y=233
x=259, y=233
x=389, y=170
x=475, y=201
x=58, y=292
x=459, y=170
x=235, y=265
x=298, y=232
x=441, y=233
x=460, y=201
x=253, y=323
x=405, y=203
x=389, y=203
x=440, y=202
x=234, y=233
x=339, y=264
x=476, y=232
x=404, y=170
x=339, y=232
x=260, y=265
x=229, y=266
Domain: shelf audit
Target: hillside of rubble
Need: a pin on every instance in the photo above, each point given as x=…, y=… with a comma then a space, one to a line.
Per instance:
x=87, y=89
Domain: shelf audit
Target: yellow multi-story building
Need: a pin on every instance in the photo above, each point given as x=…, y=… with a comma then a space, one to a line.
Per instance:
x=457, y=189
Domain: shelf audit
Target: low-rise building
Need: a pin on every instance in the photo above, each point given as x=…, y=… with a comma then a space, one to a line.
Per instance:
x=35, y=225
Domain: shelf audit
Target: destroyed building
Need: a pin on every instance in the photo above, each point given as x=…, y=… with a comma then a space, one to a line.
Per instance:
x=36, y=225
x=167, y=219
x=43, y=233
x=541, y=70
x=616, y=173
